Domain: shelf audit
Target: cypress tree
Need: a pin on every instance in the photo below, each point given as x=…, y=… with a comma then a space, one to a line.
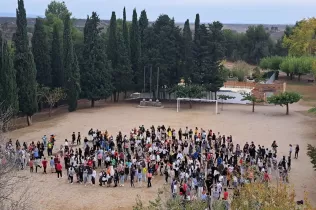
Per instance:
x=112, y=43
x=71, y=68
x=143, y=25
x=8, y=87
x=25, y=66
x=126, y=33
x=197, y=28
x=123, y=74
x=41, y=54
x=57, y=59
x=135, y=48
x=187, y=55
x=96, y=73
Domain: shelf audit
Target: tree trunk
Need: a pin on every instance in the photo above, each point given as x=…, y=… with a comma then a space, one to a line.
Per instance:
x=287, y=109
x=291, y=76
x=118, y=96
x=92, y=102
x=287, y=74
x=190, y=104
x=299, y=77
x=50, y=110
x=216, y=95
x=29, y=120
x=125, y=94
x=253, y=106
x=114, y=96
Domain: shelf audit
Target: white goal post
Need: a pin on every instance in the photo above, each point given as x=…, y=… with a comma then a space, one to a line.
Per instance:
x=198, y=100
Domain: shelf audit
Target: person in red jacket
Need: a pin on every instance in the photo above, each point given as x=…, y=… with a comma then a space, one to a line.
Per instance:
x=44, y=163
x=59, y=170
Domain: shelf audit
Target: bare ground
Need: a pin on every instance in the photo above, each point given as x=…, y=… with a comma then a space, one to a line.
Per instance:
x=268, y=123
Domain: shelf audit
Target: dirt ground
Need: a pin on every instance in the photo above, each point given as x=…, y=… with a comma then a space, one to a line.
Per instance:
x=268, y=123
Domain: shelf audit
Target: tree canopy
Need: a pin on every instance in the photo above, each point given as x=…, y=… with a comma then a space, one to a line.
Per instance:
x=284, y=99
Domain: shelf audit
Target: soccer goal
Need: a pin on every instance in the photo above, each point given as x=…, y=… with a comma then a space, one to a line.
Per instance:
x=196, y=99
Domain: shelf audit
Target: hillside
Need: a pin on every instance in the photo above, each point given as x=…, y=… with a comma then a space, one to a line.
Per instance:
x=7, y=25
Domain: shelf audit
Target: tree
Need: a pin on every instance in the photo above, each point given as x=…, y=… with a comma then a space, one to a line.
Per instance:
x=8, y=86
x=143, y=25
x=57, y=59
x=96, y=77
x=189, y=91
x=261, y=196
x=24, y=65
x=135, y=48
x=41, y=53
x=51, y=96
x=252, y=98
x=284, y=99
x=58, y=9
x=302, y=39
x=197, y=28
x=224, y=98
x=71, y=68
x=187, y=50
x=241, y=70
x=123, y=73
x=126, y=33
x=311, y=152
x=258, y=44
x=10, y=178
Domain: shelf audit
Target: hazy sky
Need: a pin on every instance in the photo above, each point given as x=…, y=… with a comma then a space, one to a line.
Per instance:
x=226, y=11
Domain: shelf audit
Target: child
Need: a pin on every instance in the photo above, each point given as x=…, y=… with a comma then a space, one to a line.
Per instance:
x=52, y=164
x=31, y=165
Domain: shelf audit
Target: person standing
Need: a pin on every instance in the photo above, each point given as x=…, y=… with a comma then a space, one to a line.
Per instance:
x=59, y=170
x=149, y=176
x=290, y=150
x=79, y=139
x=73, y=138
x=44, y=164
x=44, y=140
x=297, y=149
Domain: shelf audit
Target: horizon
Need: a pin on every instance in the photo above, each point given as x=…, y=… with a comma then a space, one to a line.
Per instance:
x=227, y=11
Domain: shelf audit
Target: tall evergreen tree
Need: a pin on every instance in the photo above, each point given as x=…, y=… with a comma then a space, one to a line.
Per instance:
x=135, y=48
x=187, y=50
x=143, y=24
x=41, y=54
x=71, y=68
x=197, y=28
x=25, y=66
x=123, y=72
x=57, y=59
x=96, y=78
x=8, y=87
x=112, y=42
x=126, y=33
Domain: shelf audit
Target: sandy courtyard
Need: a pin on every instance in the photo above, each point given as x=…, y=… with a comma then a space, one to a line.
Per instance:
x=268, y=123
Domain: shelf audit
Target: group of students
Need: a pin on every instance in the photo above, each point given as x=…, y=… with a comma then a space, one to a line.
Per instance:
x=198, y=164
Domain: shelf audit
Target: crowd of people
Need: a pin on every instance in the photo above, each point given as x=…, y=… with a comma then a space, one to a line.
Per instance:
x=196, y=163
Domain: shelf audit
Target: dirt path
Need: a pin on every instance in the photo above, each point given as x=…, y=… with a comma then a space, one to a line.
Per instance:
x=267, y=124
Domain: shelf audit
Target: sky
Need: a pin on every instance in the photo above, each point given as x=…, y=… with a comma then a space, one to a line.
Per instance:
x=225, y=11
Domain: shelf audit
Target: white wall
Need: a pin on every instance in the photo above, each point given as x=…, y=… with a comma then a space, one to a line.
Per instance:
x=235, y=92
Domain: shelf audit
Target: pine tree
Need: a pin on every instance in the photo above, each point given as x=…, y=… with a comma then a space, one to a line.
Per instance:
x=8, y=87
x=96, y=72
x=135, y=48
x=126, y=34
x=71, y=68
x=57, y=59
x=41, y=54
x=25, y=66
